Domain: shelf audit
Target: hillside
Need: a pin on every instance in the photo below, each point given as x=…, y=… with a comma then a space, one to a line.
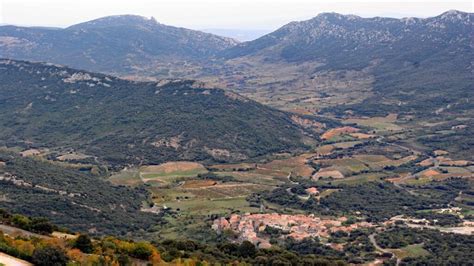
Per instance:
x=70, y=198
x=123, y=122
x=351, y=41
x=333, y=62
x=403, y=57
x=119, y=44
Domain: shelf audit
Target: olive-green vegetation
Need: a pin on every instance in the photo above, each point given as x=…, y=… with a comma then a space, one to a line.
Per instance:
x=124, y=122
x=446, y=190
x=83, y=250
x=439, y=219
x=47, y=256
x=376, y=200
x=35, y=224
x=71, y=199
x=459, y=142
x=246, y=252
x=443, y=248
x=358, y=248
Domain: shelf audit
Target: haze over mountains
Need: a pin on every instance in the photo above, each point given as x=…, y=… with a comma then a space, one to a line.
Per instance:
x=242, y=35
x=331, y=64
x=386, y=58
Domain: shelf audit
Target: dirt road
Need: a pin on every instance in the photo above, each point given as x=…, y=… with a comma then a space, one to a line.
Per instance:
x=379, y=248
x=12, y=261
x=6, y=229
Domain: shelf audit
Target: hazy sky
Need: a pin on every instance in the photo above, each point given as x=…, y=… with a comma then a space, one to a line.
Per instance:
x=201, y=14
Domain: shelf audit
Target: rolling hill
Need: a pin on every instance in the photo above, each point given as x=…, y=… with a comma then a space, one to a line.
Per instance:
x=125, y=122
x=70, y=198
x=117, y=44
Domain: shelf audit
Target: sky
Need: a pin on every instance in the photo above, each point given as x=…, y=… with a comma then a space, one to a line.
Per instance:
x=215, y=14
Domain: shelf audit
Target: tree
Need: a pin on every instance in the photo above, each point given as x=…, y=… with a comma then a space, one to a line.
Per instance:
x=124, y=260
x=21, y=221
x=84, y=244
x=41, y=226
x=49, y=256
x=142, y=251
x=247, y=249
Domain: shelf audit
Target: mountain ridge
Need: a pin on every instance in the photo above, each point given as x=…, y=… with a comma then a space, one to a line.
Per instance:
x=117, y=44
x=401, y=55
x=331, y=27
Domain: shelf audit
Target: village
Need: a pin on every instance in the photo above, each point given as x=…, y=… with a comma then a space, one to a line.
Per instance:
x=250, y=227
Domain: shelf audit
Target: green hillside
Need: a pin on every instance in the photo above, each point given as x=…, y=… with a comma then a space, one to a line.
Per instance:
x=124, y=122
x=70, y=198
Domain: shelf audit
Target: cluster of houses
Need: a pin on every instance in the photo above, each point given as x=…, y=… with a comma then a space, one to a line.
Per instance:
x=251, y=227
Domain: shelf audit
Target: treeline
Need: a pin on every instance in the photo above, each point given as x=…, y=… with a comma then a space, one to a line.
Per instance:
x=35, y=225
x=246, y=252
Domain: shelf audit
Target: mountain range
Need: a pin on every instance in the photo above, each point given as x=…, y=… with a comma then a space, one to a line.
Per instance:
x=404, y=57
x=331, y=64
x=381, y=61
x=110, y=44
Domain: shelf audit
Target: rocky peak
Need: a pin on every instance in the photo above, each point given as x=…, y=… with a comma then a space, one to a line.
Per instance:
x=117, y=20
x=454, y=14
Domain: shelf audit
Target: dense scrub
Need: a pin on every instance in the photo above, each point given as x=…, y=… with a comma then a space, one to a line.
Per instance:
x=375, y=200
x=125, y=122
x=444, y=249
x=72, y=199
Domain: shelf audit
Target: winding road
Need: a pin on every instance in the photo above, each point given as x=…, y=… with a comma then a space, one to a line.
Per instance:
x=379, y=248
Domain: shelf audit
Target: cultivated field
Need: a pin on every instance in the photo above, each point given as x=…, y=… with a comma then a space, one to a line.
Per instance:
x=381, y=124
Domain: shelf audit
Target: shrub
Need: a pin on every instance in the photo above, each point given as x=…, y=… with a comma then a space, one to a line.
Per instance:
x=49, y=256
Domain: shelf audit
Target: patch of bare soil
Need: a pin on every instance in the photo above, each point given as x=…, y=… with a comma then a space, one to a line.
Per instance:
x=170, y=167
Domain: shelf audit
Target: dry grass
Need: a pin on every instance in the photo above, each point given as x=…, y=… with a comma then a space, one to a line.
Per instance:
x=386, y=123
x=171, y=167
x=126, y=177
x=338, y=131
x=198, y=183
x=411, y=251
x=295, y=166
x=325, y=149
x=72, y=156
x=362, y=136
